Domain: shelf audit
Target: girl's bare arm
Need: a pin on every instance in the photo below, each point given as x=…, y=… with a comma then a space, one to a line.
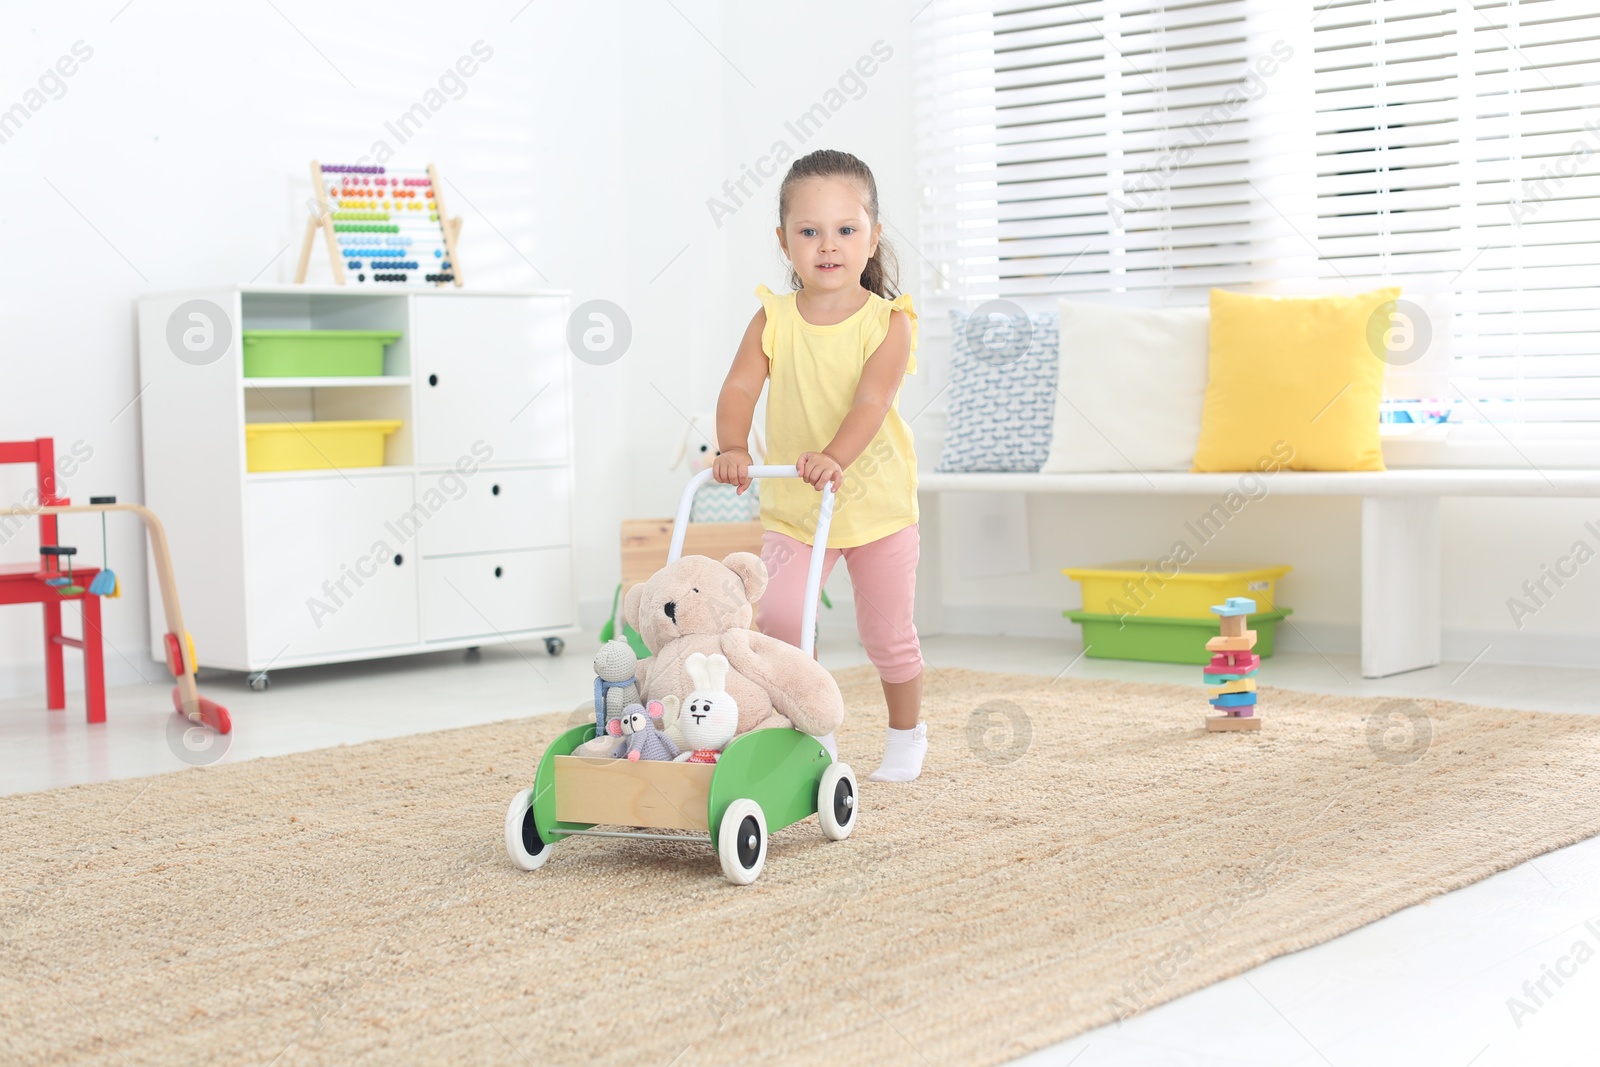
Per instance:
x=736, y=405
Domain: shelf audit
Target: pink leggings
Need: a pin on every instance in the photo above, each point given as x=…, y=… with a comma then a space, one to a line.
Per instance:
x=883, y=574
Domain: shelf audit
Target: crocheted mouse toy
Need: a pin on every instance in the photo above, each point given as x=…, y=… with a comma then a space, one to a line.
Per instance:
x=644, y=739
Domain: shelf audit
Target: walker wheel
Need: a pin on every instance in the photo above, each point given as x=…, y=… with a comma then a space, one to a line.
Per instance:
x=742, y=841
x=837, y=797
x=527, y=849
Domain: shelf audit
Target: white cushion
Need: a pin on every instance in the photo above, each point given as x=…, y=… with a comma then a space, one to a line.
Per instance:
x=1132, y=385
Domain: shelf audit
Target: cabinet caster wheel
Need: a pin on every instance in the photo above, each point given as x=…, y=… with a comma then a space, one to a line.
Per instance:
x=554, y=645
x=259, y=681
x=474, y=653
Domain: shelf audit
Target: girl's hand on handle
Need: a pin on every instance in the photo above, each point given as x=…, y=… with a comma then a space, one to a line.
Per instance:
x=732, y=468
x=819, y=468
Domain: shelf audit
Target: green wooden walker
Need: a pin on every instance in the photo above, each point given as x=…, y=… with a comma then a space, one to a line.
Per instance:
x=764, y=781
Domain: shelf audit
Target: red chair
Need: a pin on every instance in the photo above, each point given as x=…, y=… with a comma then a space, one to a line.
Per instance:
x=28, y=583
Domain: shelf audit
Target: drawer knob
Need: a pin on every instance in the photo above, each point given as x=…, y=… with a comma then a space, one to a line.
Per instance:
x=433, y=379
x=398, y=559
x=497, y=572
x=494, y=490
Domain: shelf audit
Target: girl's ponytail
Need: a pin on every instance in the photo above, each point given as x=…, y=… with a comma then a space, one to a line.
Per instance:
x=882, y=273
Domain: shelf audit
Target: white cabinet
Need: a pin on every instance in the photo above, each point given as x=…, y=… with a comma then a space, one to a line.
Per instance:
x=463, y=537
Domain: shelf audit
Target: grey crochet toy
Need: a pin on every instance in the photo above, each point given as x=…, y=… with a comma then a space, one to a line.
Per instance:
x=615, y=687
x=644, y=738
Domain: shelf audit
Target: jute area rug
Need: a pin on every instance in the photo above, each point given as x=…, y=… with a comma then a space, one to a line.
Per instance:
x=1074, y=852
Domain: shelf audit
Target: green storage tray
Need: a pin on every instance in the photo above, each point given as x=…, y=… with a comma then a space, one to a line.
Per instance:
x=315, y=353
x=1159, y=639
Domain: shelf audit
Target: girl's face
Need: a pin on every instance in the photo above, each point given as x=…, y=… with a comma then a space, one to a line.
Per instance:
x=828, y=235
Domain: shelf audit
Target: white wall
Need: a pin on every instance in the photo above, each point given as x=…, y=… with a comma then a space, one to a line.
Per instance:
x=585, y=151
x=770, y=64
x=176, y=155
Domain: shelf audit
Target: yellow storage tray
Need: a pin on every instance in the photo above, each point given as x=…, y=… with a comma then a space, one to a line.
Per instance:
x=314, y=446
x=1139, y=587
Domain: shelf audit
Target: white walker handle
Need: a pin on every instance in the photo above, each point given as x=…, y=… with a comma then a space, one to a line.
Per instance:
x=808, y=614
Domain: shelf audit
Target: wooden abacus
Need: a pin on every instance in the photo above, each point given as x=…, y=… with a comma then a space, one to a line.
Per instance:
x=381, y=224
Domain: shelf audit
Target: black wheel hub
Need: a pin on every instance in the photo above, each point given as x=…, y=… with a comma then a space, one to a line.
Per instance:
x=843, y=809
x=531, y=841
x=748, y=832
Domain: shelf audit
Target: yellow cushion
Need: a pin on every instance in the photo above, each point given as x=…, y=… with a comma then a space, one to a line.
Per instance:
x=1293, y=383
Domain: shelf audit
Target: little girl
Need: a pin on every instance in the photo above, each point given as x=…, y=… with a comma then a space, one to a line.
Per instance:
x=835, y=351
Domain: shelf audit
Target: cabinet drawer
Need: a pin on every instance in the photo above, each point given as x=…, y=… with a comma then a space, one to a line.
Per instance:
x=496, y=593
x=498, y=510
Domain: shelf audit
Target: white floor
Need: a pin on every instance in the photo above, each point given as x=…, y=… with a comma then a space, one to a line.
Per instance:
x=1429, y=985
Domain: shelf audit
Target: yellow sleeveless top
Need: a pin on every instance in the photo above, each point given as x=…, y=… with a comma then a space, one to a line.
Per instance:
x=813, y=374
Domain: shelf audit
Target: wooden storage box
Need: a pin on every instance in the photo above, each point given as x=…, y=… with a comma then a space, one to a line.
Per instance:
x=645, y=543
x=653, y=793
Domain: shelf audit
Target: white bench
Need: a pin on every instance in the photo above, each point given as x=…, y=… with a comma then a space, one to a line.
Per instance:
x=1400, y=576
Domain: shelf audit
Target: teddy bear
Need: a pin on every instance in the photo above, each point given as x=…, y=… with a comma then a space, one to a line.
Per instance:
x=698, y=605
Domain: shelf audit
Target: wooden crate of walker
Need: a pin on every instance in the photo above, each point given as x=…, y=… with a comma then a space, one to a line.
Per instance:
x=660, y=795
x=645, y=543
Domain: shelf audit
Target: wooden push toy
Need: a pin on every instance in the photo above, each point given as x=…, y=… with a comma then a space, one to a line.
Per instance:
x=1231, y=673
x=763, y=781
x=382, y=225
x=186, y=698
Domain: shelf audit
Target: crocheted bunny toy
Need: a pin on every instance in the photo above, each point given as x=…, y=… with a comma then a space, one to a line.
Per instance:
x=709, y=717
x=644, y=738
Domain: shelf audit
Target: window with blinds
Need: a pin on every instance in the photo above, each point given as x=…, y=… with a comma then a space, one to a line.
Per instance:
x=1139, y=153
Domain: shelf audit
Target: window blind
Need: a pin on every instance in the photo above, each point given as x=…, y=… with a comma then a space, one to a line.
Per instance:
x=1457, y=152
x=1142, y=153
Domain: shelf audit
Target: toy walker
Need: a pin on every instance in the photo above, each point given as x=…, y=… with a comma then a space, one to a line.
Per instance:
x=179, y=646
x=765, y=779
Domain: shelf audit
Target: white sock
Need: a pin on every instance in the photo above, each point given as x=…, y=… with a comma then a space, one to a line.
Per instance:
x=827, y=742
x=902, y=755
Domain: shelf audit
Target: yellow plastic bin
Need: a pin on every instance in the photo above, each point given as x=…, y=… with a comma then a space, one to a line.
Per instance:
x=1138, y=587
x=314, y=446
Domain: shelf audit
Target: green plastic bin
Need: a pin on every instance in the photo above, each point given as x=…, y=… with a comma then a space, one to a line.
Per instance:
x=315, y=353
x=1161, y=639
